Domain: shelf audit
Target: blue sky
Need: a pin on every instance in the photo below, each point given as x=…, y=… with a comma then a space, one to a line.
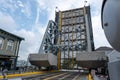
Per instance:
x=29, y=18
x=22, y=12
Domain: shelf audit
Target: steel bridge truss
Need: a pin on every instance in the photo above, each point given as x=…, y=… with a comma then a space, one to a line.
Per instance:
x=50, y=39
x=71, y=33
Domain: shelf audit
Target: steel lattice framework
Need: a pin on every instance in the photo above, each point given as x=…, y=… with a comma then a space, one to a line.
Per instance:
x=71, y=33
x=50, y=39
x=75, y=34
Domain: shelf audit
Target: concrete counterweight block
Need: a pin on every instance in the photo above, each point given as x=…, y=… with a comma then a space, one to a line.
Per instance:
x=43, y=60
x=91, y=59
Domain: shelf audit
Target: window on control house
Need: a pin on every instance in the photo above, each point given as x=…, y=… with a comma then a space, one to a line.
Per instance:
x=1, y=42
x=10, y=45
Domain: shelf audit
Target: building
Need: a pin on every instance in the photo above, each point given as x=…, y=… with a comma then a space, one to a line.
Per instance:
x=76, y=34
x=9, y=48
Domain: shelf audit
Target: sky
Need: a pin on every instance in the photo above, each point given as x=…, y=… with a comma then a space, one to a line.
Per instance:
x=29, y=19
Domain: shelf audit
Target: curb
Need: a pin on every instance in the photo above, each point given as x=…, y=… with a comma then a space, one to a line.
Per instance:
x=26, y=74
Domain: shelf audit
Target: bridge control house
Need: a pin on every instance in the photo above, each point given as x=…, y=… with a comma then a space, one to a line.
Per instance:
x=9, y=48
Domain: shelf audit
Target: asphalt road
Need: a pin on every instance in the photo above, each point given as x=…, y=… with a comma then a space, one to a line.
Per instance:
x=62, y=75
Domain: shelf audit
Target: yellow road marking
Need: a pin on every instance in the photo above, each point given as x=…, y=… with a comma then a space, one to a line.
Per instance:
x=54, y=76
x=26, y=74
x=90, y=77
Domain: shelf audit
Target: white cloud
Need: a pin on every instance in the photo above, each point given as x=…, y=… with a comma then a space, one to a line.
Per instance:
x=32, y=40
x=12, y=6
x=8, y=4
x=61, y=4
x=7, y=22
x=20, y=4
x=37, y=15
x=26, y=9
x=66, y=5
x=99, y=36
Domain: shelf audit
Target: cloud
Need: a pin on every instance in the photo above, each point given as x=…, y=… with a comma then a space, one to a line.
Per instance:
x=26, y=9
x=7, y=22
x=61, y=4
x=32, y=40
x=20, y=4
x=37, y=15
x=66, y=5
x=99, y=36
x=8, y=5
x=12, y=6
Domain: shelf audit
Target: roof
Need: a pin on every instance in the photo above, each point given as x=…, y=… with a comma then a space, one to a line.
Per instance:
x=104, y=48
x=12, y=34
